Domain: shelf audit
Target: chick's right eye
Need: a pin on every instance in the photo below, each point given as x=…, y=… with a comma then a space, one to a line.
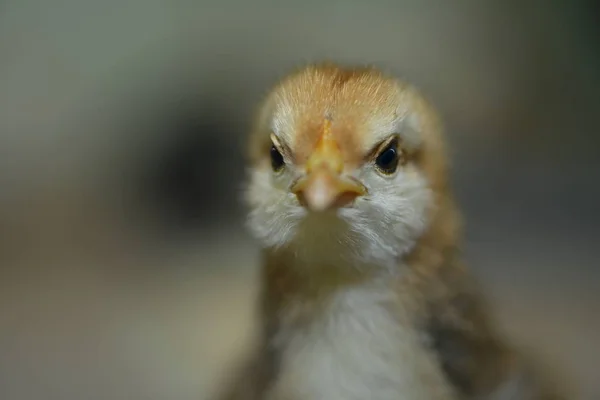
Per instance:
x=277, y=161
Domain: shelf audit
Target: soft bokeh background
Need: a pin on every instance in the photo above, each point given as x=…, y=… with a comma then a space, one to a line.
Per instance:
x=125, y=271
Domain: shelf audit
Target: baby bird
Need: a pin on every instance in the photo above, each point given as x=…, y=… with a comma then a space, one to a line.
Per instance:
x=364, y=293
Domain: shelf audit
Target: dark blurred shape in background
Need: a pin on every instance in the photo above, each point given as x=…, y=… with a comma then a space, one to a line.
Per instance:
x=186, y=175
x=125, y=270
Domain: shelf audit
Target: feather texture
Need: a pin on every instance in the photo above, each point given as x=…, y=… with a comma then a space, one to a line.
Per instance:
x=369, y=301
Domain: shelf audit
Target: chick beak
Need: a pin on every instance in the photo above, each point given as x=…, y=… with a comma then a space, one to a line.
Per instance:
x=323, y=187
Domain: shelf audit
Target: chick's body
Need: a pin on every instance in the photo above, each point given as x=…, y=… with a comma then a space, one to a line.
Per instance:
x=364, y=293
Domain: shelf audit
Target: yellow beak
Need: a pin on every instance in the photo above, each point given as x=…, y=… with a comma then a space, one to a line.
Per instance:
x=323, y=187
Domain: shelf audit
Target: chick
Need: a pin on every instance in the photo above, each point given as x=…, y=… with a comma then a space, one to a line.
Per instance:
x=364, y=293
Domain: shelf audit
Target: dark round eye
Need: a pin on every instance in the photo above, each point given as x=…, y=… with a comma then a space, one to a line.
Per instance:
x=387, y=160
x=276, y=159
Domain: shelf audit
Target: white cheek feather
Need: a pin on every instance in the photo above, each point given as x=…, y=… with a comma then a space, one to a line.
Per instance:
x=274, y=212
x=393, y=216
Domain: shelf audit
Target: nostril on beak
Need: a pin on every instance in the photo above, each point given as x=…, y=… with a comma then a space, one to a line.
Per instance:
x=344, y=199
x=322, y=191
x=340, y=201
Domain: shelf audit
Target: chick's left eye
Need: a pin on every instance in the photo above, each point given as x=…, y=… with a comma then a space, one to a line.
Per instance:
x=387, y=161
x=277, y=161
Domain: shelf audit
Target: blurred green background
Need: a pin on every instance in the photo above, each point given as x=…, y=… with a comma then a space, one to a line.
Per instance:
x=125, y=270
